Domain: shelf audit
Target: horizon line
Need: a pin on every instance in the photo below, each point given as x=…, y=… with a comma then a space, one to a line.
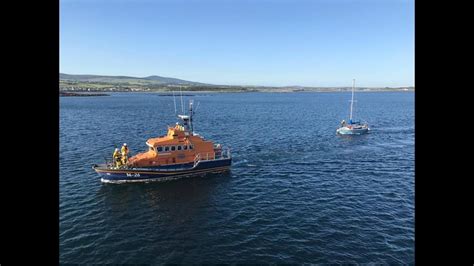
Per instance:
x=312, y=86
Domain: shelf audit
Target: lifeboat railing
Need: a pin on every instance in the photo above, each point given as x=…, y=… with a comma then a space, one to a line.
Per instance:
x=224, y=154
x=197, y=159
x=108, y=162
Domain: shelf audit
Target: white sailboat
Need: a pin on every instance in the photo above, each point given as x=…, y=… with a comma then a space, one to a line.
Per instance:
x=353, y=127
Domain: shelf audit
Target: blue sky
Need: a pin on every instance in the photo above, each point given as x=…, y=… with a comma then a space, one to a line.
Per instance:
x=242, y=42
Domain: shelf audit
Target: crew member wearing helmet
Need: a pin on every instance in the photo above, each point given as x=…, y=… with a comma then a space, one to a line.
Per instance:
x=117, y=158
x=124, y=151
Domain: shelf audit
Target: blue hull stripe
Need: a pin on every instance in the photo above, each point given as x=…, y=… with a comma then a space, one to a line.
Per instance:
x=141, y=174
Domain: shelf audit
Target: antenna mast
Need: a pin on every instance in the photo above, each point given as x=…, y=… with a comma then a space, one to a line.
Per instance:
x=174, y=100
x=191, y=116
x=182, y=105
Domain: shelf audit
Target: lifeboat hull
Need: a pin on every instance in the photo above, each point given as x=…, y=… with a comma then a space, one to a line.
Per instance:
x=161, y=173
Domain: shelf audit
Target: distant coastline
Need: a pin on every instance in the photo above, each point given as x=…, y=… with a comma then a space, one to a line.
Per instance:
x=100, y=84
x=169, y=92
x=73, y=94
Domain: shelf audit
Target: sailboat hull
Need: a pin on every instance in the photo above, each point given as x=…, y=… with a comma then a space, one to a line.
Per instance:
x=352, y=131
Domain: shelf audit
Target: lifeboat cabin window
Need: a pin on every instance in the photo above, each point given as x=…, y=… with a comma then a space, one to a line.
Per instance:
x=173, y=148
x=179, y=148
x=185, y=147
x=160, y=149
x=167, y=148
x=191, y=147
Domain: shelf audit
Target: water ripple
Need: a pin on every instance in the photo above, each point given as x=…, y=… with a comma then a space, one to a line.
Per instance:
x=297, y=193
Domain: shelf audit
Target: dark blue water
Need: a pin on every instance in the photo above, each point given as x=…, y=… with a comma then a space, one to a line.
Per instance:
x=297, y=193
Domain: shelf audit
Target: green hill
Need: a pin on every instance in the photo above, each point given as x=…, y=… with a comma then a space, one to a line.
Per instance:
x=126, y=80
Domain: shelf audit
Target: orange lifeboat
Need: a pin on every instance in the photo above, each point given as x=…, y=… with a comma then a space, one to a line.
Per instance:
x=180, y=152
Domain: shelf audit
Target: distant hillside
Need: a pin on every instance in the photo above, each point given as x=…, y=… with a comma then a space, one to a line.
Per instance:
x=97, y=83
x=152, y=80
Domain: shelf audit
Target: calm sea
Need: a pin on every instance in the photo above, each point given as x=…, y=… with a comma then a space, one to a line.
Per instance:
x=297, y=192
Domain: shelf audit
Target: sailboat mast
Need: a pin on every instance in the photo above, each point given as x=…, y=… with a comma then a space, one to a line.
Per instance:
x=352, y=100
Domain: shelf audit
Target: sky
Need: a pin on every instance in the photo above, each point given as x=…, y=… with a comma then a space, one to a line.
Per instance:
x=242, y=42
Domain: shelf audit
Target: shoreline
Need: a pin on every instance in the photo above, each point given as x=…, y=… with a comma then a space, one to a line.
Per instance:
x=75, y=94
x=191, y=93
